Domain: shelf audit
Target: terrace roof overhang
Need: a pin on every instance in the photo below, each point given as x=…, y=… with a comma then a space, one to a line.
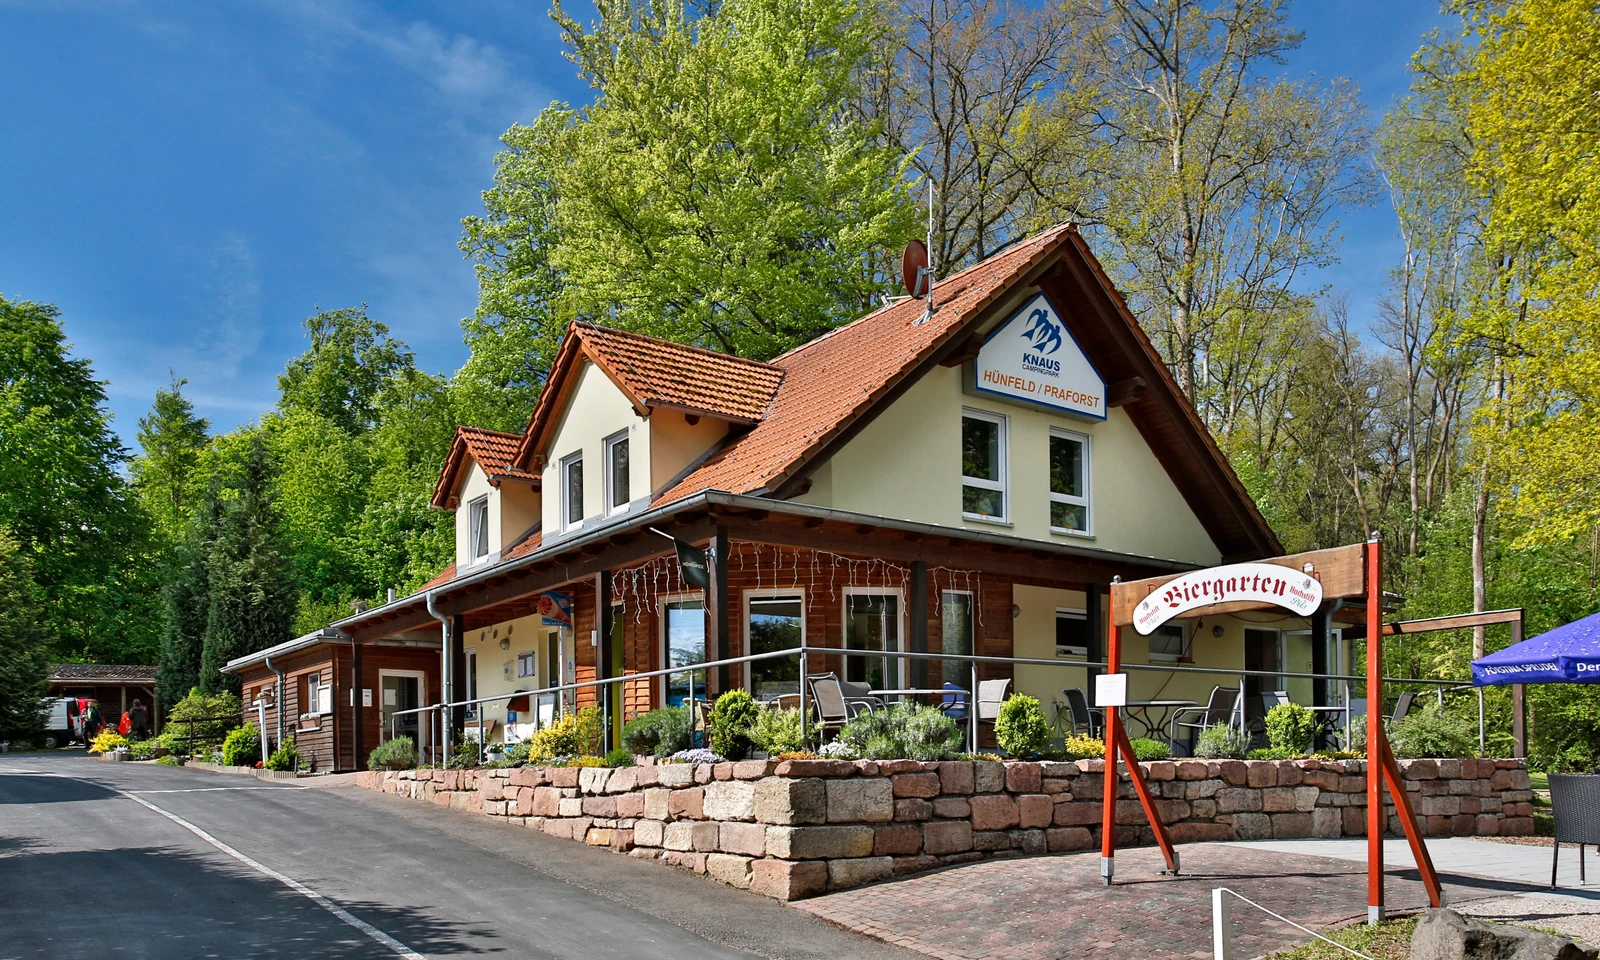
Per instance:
x=327, y=635
x=508, y=590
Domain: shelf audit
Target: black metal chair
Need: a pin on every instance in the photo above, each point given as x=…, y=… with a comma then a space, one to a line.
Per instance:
x=1402, y=706
x=1575, y=801
x=1081, y=714
x=1225, y=705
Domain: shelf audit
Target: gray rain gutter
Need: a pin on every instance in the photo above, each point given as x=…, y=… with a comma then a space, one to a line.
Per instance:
x=446, y=665
x=277, y=696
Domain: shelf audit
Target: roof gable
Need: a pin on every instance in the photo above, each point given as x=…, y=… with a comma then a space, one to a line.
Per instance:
x=836, y=384
x=492, y=450
x=652, y=374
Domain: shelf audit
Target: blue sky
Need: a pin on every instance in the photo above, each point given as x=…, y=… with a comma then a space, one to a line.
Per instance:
x=187, y=182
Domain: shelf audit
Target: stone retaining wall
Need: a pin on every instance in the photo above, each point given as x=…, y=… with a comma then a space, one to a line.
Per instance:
x=798, y=828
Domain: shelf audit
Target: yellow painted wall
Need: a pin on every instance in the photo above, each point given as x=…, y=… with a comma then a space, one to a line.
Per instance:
x=675, y=443
x=474, y=486
x=497, y=669
x=907, y=464
x=596, y=411
x=520, y=509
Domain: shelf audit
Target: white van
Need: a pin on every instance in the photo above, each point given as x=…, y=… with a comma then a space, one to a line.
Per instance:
x=61, y=723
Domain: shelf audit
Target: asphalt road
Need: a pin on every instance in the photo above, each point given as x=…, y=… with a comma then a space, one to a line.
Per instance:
x=137, y=860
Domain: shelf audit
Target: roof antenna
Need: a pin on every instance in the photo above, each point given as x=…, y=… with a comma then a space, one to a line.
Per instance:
x=916, y=261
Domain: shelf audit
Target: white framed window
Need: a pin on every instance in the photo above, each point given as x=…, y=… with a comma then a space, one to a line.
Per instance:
x=1069, y=482
x=683, y=644
x=1167, y=643
x=478, y=528
x=957, y=628
x=774, y=619
x=527, y=665
x=616, y=479
x=319, y=695
x=572, y=491
x=874, y=621
x=983, y=466
x=1072, y=633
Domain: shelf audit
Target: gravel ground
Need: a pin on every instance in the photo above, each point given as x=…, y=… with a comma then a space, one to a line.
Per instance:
x=1568, y=916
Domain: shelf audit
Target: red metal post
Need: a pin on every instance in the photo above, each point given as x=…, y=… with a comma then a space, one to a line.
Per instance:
x=1148, y=800
x=1376, y=824
x=1402, y=804
x=1112, y=734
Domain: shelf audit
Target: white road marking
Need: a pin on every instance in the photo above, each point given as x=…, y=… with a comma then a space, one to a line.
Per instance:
x=399, y=948
x=145, y=793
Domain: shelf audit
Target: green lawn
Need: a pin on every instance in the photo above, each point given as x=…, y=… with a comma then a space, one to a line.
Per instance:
x=1390, y=940
x=1541, y=781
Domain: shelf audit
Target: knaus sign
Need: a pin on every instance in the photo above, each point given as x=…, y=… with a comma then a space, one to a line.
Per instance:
x=1032, y=358
x=1266, y=583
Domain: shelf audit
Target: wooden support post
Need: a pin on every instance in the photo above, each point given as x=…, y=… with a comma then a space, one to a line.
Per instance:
x=458, y=673
x=602, y=657
x=1376, y=824
x=1408, y=819
x=1519, y=702
x=1093, y=604
x=356, y=727
x=1147, y=800
x=1113, y=739
x=918, y=604
x=717, y=606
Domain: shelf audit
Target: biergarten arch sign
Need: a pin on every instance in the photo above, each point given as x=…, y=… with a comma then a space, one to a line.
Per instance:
x=1264, y=583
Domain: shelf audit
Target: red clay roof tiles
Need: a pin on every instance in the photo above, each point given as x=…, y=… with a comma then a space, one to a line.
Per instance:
x=660, y=373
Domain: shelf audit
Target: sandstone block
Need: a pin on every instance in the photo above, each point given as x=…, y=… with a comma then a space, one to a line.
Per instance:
x=1278, y=799
x=630, y=805
x=1305, y=798
x=1202, y=788
x=1240, y=799
x=993, y=812
x=1191, y=769
x=675, y=774
x=730, y=800
x=843, y=874
x=730, y=869
x=1233, y=772
x=908, y=865
x=991, y=841
x=570, y=807
x=1074, y=814
x=913, y=808
x=1035, y=810
x=947, y=836
x=956, y=777
x=897, y=840
x=820, y=843
x=564, y=776
x=952, y=808
x=685, y=835
x=861, y=800
x=600, y=807
x=1419, y=770
x=790, y=801
x=685, y=860
x=754, y=769
x=988, y=776
x=1061, y=839
x=1291, y=826
x=745, y=839
x=1024, y=777
x=688, y=803
x=1202, y=809
x=923, y=785
x=1195, y=832
x=649, y=833
x=815, y=768
x=788, y=880
x=658, y=803
x=1327, y=823
x=1252, y=826
x=1262, y=774
x=494, y=790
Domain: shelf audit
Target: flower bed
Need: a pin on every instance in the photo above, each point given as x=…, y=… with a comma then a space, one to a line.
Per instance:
x=798, y=828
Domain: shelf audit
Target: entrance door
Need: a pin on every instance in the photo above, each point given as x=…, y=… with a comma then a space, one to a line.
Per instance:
x=1263, y=650
x=401, y=692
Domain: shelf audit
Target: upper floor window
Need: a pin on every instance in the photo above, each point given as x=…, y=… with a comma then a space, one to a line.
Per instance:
x=1069, y=481
x=616, y=459
x=572, y=491
x=983, y=465
x=478, y=527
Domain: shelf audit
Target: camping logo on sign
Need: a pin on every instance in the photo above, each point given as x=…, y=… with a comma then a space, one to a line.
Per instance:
x=1264, y=583
x=1031, y=358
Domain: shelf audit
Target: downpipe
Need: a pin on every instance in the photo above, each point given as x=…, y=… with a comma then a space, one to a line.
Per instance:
x=277, y=698
x=446, y=679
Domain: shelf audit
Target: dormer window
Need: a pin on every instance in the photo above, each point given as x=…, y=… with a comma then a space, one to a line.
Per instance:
x=572, y=491
x=616, y=459
x=478, y=527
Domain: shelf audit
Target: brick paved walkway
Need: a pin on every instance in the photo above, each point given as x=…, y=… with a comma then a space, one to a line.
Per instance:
x=1040, y=908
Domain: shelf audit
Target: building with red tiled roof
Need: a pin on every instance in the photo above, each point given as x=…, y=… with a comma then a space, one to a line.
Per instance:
x=960, y=481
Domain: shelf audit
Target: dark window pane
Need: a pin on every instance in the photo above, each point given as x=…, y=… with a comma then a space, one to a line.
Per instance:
x=984, y=503
x=956, y=637
x=980, y=449
x=872, y=622
x=574, y=491
x=619, y=474
x=1066, y=466
x=775, y=624
x=1069, y=516
x=1072, y=630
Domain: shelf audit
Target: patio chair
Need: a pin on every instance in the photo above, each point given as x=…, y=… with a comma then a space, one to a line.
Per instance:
x=1402, y=706
x=1081, y=714
x=857, y=697
x=785, y=701
x=954, y=704
x=1575, y=801
x=1225, y=705
x=991, y=693
x=1257, y=726
x=832, y=710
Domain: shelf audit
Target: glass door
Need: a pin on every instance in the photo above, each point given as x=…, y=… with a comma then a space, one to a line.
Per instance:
x=872, y=622
x=683, y=635
x=775, y=623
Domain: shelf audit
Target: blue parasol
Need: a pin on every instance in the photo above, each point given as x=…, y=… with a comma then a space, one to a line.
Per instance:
x=1567, y=654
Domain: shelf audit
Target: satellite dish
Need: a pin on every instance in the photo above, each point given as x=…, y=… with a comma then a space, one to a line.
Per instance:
x=914, y=268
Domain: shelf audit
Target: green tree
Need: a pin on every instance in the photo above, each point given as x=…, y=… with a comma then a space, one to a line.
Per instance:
x=722, y=189
x=61, y=490
x=319, y=477
x=400, y=540
x=339, y=377
x=186, y=602
x=170, y=440
x=250, y=583
x=23, y=661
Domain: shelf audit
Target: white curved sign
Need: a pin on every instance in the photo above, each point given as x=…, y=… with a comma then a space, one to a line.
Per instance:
x=1266, y=583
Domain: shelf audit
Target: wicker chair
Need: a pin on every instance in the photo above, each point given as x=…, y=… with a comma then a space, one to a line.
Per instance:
x=1575, y=801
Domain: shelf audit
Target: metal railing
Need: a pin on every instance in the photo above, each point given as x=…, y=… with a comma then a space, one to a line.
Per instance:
x=1222, y=925
x=438, y=725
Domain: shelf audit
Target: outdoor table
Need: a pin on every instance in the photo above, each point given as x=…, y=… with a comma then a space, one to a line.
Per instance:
x=1138, y=711
x=1327, y=719
x=917, y=691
